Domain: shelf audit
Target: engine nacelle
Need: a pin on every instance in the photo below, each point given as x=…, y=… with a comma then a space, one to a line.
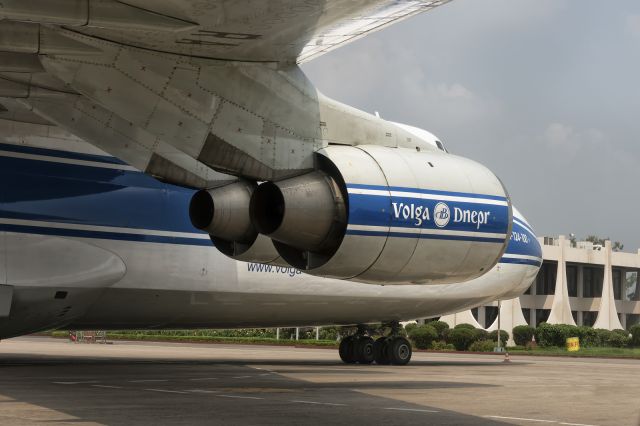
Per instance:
x=387, y=215
x=223, y=212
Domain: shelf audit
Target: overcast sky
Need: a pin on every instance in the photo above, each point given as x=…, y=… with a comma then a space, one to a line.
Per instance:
x=546, y=93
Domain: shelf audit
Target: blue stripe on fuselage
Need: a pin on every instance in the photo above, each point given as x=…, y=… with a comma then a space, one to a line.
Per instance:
x=71, y=193
x=376, y=210
x=23, y=149
x=76, y=194
x=425, y=191
x=523, y=242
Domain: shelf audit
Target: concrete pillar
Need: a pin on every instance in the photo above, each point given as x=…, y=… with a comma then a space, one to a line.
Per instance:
x=510, y=316
x=561, y=309
x=623, y=292
x=532, y=317
x=580, y=280
x=482, y=315
x=464, y=317
x=607, y=314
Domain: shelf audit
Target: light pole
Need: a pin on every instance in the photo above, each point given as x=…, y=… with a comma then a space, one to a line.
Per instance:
x=499, y=343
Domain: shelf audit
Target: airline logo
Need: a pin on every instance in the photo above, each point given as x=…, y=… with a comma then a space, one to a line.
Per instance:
x=442, y=214
x=419, y=214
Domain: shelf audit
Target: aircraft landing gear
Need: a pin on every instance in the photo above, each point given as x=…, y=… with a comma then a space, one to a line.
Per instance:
x=357, y=348
x=360, y=348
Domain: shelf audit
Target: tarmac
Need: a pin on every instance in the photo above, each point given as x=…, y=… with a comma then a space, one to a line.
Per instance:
x=44, y=380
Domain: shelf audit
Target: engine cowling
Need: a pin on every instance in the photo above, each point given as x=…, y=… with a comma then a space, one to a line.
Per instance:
x=387, y=215
x=223, y=212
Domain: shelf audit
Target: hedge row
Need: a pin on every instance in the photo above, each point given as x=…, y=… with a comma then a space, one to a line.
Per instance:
x=548, y=335
x=438, y=336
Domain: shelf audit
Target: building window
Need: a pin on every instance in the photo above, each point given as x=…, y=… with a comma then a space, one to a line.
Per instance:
x=592, y=281
x=617, y=284
x=632, y=319
x=542, y=315
x=490, y=315
x=526, y=312
x=546, y=279
x=529, y=289
x=572, y=280
x=632, y=292
x=574, y=314
x=589, y=318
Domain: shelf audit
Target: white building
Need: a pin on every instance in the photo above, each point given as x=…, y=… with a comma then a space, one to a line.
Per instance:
x=583, y=284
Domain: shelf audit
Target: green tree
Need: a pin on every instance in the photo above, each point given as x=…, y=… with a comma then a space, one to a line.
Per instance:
x=423, y=336
x=615, y=246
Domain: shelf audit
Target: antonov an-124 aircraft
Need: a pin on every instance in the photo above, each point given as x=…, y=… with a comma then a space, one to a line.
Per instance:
x=167, y=164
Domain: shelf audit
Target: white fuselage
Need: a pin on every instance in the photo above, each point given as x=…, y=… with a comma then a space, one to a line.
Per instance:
x=88, y=242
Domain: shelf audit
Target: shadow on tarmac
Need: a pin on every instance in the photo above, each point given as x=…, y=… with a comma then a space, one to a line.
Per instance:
x=144, y=391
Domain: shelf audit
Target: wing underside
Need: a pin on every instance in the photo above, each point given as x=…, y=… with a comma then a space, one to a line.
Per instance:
x=182, y=89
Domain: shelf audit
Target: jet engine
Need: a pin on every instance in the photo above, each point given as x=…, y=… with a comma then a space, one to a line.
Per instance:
x=387, y=216
x=223, y=212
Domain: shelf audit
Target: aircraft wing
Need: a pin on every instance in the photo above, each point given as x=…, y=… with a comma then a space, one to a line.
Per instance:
x=180, y=88
x=242, y=30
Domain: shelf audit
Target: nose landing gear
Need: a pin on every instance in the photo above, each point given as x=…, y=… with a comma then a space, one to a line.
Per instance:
x=362, y=349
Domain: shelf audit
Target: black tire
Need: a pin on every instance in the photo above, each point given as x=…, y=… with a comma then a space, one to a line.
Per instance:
x=364, y=350
x=346, y=350
x=400, y=351
x=380, y=351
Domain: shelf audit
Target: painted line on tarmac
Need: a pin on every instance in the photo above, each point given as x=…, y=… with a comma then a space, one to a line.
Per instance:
x=202, y=391
x=107, y=386
x=241, y=377
x=412, y=409
x=197, y=379
x=148, y=380
x=166, y=391
x=574, y=424
x=538, y=420
x=76, y=383
x=522, y=419
x=239, y=397
x=333, y=404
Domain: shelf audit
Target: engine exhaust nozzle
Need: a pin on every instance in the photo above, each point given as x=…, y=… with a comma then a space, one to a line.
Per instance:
x=306, y=212
x=224, y=212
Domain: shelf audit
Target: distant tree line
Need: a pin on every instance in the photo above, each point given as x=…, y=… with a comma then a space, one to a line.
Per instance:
x=596, y=240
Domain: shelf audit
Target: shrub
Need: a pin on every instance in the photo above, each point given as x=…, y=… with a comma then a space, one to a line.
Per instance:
x=480, y=334
x=441, y=327
x=482, y=346
x=329, y=333
x=588, y=336
x=635, y=335
x=547, y=335
x=522, y=334
x=567, y=331
x=617, y=340
x=441, y=345
x=462, y=338
x=504, y=337
x=445, y=334
x=467, y=326
x=602, y=336
x=409, y=327
x=423, y=336
x=554, y=334
x=621, y=332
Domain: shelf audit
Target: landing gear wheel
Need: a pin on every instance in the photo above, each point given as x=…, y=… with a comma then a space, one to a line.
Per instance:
x=399, y=350
x=346, y=350
x=380, y=352
x=364, y=350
